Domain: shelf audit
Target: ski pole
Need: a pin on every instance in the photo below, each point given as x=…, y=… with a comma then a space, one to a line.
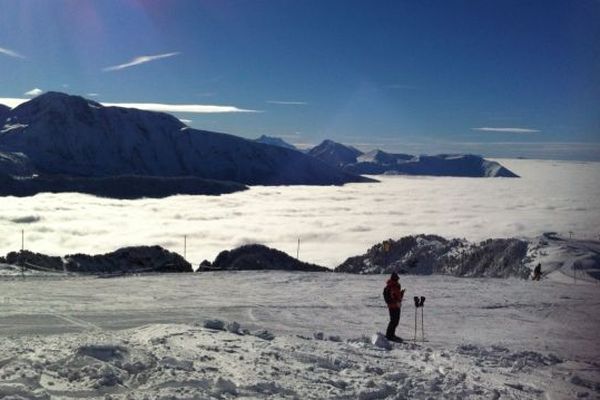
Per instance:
x=422, y=322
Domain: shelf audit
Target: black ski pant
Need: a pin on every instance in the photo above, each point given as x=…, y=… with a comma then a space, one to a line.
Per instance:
x=394, y=320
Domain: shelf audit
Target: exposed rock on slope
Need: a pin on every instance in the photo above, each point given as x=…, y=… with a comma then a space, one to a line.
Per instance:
x=70, y=135
x=431, y=254
x=258, y=257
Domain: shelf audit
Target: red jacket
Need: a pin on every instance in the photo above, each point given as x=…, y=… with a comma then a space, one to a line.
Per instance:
x=396, y=294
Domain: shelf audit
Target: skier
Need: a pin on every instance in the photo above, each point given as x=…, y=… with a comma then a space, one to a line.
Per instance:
x=537, y=272
x=393, y=297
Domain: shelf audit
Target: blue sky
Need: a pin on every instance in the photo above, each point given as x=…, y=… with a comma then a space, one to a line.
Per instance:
x=499, y=78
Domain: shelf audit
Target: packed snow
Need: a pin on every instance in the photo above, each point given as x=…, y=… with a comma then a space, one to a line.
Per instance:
x=295, y=335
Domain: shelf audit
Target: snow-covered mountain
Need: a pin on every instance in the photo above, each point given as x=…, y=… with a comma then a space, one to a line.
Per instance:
x=275, y=141
x=335, y=154
x=378, y=162
x=466, y=165
x=70, y=135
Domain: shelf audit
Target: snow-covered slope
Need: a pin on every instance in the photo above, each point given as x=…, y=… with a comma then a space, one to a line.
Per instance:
x=335, y=154
x=275, y=141
x=70, y=135
x=565, y=259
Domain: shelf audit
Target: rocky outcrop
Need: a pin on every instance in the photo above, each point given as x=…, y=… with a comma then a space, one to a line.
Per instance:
x=431, y=254
x=140, y=259
x=258, y=257
x=129, y=260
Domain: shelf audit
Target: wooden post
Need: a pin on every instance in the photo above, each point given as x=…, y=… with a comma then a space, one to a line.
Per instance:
x=298, y=250
x=185, y=247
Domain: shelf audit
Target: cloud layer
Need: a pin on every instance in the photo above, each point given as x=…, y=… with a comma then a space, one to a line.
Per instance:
x=332, y=223
x=140, y=60
x=505, y=130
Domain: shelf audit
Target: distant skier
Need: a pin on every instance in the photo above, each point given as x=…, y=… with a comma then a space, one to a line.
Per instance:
x=537, y=272
x=393, y=294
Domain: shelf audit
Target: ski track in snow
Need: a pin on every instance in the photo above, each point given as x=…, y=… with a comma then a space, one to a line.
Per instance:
x=302, y=336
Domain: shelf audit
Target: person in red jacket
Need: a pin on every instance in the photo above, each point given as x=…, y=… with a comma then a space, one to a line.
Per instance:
x=393, y=295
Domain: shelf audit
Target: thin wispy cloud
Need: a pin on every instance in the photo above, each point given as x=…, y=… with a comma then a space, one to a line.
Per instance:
x=182, y=108
x=160, y=107
x=287, y=103
x=140, y=60
x=34, y=92
x=10, y=53
x=505, y=130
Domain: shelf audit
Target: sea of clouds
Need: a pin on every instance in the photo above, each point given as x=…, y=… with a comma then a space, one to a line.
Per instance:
x=332, y=223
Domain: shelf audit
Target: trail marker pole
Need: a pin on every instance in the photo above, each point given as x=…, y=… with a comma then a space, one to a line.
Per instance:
x=298, y=250
x=184, y=247
x=22, y=249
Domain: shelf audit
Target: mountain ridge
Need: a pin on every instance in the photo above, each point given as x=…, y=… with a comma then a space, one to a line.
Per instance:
x=70, y=135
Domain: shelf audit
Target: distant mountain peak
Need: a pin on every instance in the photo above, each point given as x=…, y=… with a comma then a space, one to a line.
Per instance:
x=275, y=141
x=334, y=153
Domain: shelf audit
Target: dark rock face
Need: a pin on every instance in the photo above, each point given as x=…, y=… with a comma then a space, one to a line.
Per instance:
x=118, y=187
x=258, y=257
x=34, y=261
x=129, y=259
x=431, y=254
